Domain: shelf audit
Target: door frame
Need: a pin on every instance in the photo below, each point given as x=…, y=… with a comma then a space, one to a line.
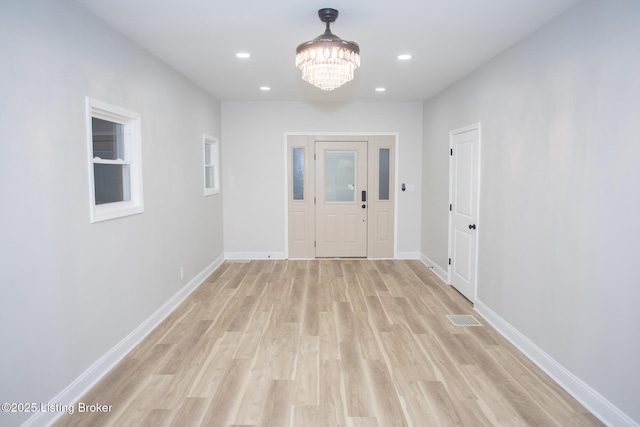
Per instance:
x=474, y=126
x=350, y=136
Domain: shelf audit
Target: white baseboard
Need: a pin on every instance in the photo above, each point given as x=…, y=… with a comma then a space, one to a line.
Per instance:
x=597, y=404
x=72, y=393
x=439, y=271
x=253, y=255
x=407, y=255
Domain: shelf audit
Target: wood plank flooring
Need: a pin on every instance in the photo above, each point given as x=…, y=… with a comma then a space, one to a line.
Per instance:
x=326, y=343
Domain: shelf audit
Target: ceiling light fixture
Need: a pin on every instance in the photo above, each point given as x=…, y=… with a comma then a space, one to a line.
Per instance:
x=404, y=57
x=380, y=89
x=243, y=55
x=327, y=61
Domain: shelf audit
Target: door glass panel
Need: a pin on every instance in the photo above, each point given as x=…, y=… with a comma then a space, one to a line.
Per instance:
x=340, y=176
x=383, y=179
x=298, y=174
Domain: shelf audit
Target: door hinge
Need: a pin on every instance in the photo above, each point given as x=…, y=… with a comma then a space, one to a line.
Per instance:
x=314, y=200
x=314, y=243
x=449, y=261
x=451, y=151
x=450, y=207
x=314, y=156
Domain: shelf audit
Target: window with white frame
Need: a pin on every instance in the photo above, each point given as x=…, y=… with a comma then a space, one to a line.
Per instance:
x=211, y=165
x=115, y=165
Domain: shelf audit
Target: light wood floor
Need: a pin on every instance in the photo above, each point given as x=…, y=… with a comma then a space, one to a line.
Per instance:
x=327, y=343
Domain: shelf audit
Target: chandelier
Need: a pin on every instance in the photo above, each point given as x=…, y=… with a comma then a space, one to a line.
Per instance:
x=327, y=61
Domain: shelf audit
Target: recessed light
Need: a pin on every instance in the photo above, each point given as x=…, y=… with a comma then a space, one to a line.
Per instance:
x=265, y=88
x=380, y=89
x=243, y=55
x=404, y=57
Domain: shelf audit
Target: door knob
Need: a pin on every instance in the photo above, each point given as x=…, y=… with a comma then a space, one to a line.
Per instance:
x=472, y=227
x=364, y=206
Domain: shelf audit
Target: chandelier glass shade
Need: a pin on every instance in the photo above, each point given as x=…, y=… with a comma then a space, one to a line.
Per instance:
x=327, y=61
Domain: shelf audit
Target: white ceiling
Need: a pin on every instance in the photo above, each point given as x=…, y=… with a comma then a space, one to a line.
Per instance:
x=447, y=38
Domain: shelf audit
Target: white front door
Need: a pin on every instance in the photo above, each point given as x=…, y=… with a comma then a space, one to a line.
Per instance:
x=465, y=155
x=341, y=199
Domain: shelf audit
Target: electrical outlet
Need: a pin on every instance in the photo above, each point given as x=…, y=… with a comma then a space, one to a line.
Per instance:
x=181, y=273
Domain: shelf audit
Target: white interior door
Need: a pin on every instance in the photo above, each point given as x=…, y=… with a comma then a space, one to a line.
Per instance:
x=341, y=206
x=465, y=155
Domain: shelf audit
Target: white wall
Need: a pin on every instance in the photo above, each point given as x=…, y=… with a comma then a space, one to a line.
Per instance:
x=253, y=165
x=72, y=290
x=560, y=192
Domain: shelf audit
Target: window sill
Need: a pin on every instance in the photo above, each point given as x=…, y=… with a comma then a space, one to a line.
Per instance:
x=114, y=210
